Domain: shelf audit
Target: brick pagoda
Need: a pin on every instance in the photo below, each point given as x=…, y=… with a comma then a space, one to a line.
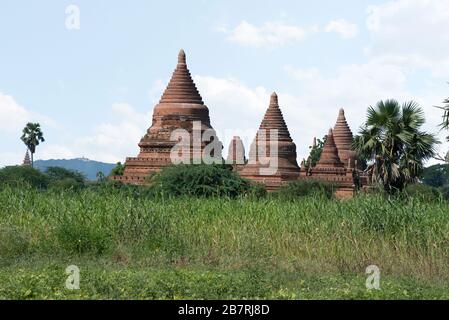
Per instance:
x=272, y=159
x=343, y=140
x=181, y=107
x=331, y=169
x=262, y=156
x=27, y=160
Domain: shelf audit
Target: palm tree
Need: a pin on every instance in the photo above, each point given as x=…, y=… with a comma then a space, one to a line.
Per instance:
x=445, y=108
x=445, y=125
x=31, y=137
x=392, y=142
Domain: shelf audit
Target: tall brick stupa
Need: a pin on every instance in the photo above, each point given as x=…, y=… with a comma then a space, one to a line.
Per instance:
x=343, y=138
x=181, y=107
x=272, y=156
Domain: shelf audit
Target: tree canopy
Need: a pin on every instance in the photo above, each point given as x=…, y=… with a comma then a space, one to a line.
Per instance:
x=393, y=143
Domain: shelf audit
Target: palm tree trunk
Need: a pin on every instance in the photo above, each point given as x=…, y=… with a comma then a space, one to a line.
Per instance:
x=32, y=160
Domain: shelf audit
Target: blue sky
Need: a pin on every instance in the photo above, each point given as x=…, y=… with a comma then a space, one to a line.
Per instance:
x=93, y=89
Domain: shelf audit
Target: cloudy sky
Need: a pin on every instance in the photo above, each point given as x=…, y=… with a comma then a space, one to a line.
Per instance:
x=93, y=89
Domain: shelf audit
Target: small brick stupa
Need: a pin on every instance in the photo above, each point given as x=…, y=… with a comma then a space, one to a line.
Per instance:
x=329, y=156
x=181, y=107
x=331, y=169
x=236, y=152
x=27, y=160
x=272, y=157
x=343, y=140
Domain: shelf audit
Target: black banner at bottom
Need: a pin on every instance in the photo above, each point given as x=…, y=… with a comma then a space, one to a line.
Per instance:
x=224, y=309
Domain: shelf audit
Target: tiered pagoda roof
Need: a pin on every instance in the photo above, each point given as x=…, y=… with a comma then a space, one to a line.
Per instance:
x=27, y=159
x=329, y=156
x=273, y=146
x=180, y=107
x=343, y=138
x=181, y=88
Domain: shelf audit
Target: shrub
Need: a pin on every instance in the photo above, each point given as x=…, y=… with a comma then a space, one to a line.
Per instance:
x=445, y=192
x=118, y=170
x=58, y=173
x=436, y=175
x=304, y=188
x=13, y=243
x=64, y=179
x=422, y=192
x=199, y=180
x=23, y=175
x=257, y=191
x=66, y=184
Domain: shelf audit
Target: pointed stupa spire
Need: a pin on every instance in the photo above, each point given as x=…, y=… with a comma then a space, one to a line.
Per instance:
x=274, y=100
x=181, y=57
x=343, y=137
x=27, y=160
x=329, y=156
x=181, y=88
x=265, y=143
x=274, y=119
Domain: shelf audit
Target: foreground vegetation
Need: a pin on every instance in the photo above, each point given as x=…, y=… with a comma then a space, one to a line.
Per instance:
x=129, y=244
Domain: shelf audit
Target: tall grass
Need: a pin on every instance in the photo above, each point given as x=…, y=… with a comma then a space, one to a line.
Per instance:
x=313, y=235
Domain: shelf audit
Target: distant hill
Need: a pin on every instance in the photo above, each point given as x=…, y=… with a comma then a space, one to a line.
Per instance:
x=88, y=167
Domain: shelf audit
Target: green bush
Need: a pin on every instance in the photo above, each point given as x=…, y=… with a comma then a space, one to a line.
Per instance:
x=64, y=179
x=200, y=181
x=296, y=189
x=422, y=192
x=118, y=170
x=436, y=175
x=23, y=175
x=58, y=174
x=66, y=184
x=445, y=192
x=13, y=243
x=257, y=191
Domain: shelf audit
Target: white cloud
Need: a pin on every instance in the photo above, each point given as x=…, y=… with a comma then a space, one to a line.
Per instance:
x=413, y=33
x=355, y=87
x=109, y=142
x=311, y=111
x=113, y=142
x=270, y=34
x=14, y=117
x=54, y=151
x=235, y=108
x=344, y=28
x=11, y=158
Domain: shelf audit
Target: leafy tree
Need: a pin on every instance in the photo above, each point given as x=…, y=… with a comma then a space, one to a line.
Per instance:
x=58, y=173
x=445, y=124
x=119, y=170
x=315, y=153
x=23, y=175
x=445, y=108
x=436, y=176
x=199, y=180
x=32, y=135
x=423, y=192
x=392, y=142
x=100, y=176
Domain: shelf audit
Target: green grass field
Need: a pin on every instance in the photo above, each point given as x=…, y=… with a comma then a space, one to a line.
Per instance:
x=130, y=247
